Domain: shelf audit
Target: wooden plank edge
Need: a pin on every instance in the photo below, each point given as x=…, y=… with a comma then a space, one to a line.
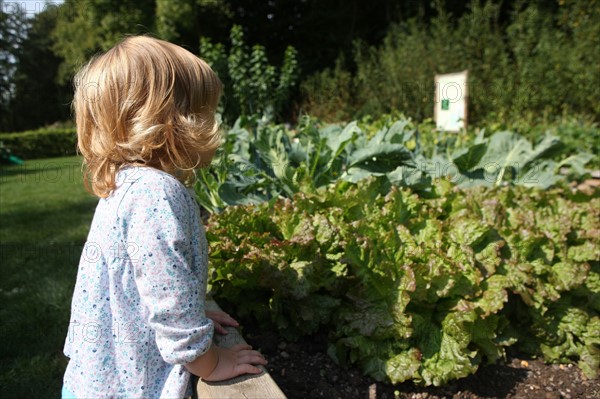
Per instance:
x=248, y=386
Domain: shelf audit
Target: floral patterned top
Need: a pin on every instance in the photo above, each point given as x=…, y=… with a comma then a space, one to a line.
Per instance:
x=137, y=314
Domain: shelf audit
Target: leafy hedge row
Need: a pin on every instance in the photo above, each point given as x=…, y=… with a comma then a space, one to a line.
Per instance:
x=415, y=288
x=42, y=143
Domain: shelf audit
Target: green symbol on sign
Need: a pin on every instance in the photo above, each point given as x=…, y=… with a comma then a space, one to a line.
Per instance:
x=445, y=105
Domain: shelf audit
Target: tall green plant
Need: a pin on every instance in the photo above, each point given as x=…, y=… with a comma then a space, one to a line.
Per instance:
x=253, y=85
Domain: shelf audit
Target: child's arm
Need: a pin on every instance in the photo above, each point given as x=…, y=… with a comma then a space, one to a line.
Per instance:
x=162, y=240
x=219, y=364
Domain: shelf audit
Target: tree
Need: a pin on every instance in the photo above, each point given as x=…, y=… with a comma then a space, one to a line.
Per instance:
x=185, y=21
x=84, y=28
x=13, y=29
x=38, y=98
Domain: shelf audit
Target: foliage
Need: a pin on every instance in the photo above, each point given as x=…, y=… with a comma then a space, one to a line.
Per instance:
x=330, y=94
x=536, y=59
x=97, y=25
x=42, y=143
x=416, y=288
x=539, y=63
x=431, y=141
x=176, y=19
x=37, y=99
x=577, y=134
x=260, y=161
x=410, y=288
x=13, y=28
x=253, y=86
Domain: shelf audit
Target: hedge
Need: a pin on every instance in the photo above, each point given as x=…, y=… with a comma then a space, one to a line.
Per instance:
x=42, y=143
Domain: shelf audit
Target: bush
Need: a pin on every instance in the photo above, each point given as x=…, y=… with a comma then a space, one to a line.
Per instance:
x=42, y=143
x=537, y=65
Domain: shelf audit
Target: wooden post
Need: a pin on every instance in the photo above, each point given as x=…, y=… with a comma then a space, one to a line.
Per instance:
x=247, y=386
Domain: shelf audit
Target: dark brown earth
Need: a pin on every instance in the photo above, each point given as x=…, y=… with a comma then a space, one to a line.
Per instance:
x=304, y=371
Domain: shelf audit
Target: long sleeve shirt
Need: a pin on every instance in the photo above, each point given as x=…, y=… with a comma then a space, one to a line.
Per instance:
x=137, y=314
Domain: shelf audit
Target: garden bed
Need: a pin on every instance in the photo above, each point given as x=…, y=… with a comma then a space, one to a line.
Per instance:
x=416, y=274
x=304, y=370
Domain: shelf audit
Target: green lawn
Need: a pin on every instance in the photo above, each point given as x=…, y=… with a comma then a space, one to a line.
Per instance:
x=45, y=215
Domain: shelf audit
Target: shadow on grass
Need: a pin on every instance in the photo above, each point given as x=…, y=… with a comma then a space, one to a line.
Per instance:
x=35, y=317
x=34, y=225
x=15, y=170
x=39, y=255
x=44, y=171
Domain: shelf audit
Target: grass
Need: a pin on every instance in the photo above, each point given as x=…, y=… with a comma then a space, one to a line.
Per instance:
x=45, y=215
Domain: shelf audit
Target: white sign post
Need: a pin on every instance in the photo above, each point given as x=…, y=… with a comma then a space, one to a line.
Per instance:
x=450, y=102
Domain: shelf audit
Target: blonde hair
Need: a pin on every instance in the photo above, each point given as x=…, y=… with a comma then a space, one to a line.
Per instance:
x=145, y=102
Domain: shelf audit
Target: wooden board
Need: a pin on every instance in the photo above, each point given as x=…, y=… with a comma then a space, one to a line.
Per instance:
x=250, y=386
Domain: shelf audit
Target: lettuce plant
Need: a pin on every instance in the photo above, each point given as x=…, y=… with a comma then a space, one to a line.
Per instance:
x=413, y=287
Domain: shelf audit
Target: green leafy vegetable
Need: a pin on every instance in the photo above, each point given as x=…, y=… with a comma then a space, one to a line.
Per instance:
x=416, y=287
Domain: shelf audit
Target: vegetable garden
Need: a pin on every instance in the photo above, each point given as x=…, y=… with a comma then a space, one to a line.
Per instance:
x=407, y=253
x=422, y=261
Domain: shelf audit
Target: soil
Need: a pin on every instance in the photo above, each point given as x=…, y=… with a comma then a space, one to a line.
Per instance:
x=304, y=370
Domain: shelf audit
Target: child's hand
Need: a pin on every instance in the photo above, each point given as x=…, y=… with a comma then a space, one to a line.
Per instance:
x=221, y=319
x=237, y=360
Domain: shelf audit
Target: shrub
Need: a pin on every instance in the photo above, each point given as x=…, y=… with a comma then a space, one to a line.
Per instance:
x=252, y=85
x=539, y=63
x=42, y=143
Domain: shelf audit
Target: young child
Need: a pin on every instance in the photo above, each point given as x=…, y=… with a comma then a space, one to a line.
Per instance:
x=145, y=113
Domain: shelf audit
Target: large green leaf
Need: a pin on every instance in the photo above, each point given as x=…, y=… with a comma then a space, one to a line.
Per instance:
x=467, y=159
x=577, y=163
x=548, y=146
x=381, y=158
x=505, y=150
